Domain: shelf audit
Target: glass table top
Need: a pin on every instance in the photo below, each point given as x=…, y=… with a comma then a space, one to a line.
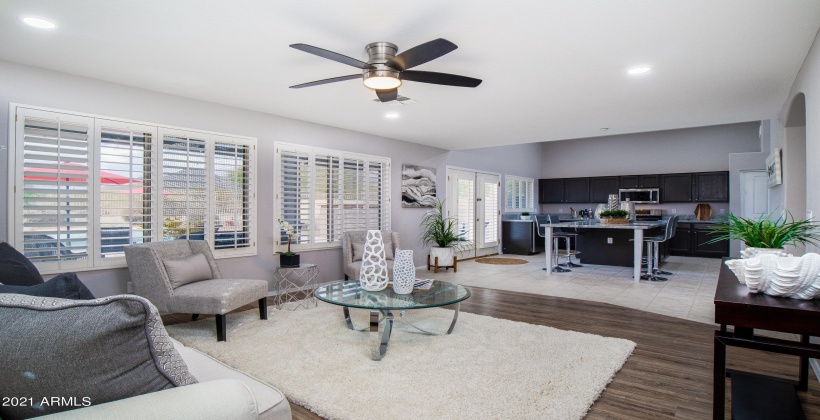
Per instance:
x=351, y=294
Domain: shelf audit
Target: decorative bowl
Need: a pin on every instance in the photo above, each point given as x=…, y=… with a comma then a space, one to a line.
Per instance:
x=793, y=277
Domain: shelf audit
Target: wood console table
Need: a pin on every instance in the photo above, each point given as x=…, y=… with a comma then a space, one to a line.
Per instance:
x=736, y=306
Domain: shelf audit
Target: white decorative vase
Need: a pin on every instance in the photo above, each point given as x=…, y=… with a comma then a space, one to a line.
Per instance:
x=794, y=277
x=373, y=274
x=752, y=252
x=404, y=271
x=445, y=255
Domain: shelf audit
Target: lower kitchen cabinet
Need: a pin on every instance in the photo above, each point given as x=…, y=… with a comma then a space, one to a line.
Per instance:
x=690, y=238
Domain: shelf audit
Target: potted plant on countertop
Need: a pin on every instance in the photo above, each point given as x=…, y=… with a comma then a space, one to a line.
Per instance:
x=288, y=258
x=766, y=236
x=614, y=217
x=525, y=215
x=439, y=232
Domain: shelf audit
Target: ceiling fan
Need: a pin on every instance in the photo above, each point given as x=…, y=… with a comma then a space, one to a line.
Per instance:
x=384, y=71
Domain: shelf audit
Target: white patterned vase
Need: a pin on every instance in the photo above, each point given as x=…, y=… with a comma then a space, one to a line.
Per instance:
x=373, y=274
x=404, y=272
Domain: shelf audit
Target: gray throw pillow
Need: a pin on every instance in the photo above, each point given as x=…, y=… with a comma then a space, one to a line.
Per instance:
x=189, y=270
x=358, y=249
x=358, y=252
x=91, y=351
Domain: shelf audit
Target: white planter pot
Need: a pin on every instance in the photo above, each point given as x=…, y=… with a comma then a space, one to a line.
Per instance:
x=526, y=217
x=445, y=255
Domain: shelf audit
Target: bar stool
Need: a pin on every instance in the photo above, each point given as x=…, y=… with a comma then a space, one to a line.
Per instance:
x=652, y=245
x=569, y=252
x=539, y=219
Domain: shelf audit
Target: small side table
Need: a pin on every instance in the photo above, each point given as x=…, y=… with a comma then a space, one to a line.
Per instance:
x=295, y=281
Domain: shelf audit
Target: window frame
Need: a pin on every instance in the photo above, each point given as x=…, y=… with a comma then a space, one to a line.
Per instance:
x=385, y=213
x=530, y=184
x=18, y=113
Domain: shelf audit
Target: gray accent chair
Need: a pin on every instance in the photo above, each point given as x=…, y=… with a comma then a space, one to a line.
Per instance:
x=351, y=265
x=216, y=296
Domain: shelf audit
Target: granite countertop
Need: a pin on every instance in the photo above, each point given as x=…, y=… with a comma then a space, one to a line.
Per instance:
x=598, y=225
x=699, y=221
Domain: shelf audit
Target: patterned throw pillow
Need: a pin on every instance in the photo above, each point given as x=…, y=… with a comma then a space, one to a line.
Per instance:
x=92, y=351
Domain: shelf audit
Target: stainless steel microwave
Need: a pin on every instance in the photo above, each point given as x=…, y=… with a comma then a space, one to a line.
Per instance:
x=640, y=195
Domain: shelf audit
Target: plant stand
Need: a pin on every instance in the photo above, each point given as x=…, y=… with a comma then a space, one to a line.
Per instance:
x=436, y=266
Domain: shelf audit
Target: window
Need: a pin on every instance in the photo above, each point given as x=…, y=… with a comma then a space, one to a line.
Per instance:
x=520, y=196
x=323, y=193
x=85, y=187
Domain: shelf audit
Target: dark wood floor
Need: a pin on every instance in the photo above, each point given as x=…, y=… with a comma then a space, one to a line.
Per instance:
x=668, y=376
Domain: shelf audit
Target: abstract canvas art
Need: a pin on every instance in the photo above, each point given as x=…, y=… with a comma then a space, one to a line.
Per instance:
x=774, y=169
x=418, y=186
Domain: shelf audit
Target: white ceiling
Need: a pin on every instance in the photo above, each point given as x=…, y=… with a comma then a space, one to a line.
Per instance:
x=552, y=69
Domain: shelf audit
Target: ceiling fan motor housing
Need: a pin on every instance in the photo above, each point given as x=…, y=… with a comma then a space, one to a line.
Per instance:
x=380, y=53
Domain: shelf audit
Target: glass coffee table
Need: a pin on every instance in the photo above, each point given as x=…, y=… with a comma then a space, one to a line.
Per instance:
x=349, y=294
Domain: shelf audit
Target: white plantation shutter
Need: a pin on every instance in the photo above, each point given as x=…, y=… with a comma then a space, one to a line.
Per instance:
x=184, y=188
x=233, y=193
x=490, y=212
x=53, y=171
x=520, y=193
x=324, y=192
x=126, y=178
x=327, y=196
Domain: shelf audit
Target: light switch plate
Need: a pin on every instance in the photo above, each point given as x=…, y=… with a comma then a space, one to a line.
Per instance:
x=722, y=211
x=560, y=210
x=674, y=211
x=609, y=241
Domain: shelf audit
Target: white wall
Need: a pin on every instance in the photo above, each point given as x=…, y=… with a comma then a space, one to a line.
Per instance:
x=808, y=83
x=33, y=86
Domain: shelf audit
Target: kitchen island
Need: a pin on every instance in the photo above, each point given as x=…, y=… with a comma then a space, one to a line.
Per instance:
x=637, y=228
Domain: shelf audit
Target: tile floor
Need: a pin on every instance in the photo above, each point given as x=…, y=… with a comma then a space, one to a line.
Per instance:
x=688, y=294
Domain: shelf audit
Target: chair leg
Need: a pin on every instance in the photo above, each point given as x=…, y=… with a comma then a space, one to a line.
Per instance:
x=263, y=308
x=194, y=317
x=221, y=326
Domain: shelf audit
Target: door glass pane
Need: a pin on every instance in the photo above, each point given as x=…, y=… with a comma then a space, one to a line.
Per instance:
x=490, y=212
x=465, y=208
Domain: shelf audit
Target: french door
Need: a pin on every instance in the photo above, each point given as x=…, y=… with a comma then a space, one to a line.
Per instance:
x=472, y=201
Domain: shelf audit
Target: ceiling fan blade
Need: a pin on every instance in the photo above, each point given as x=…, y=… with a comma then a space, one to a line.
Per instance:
x=330, y=55
x=387, y=95
x=439, y=78
x=421, y=54
x=325, y=81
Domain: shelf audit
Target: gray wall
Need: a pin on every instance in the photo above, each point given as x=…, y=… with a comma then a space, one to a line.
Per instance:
x=33, y=86
x=746, y=161
x=808, y=83
x=698, y=149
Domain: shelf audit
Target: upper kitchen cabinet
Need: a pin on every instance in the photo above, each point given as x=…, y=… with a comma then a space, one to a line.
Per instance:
x=676, y=188
x=576, y=190
x=712, y=186
x=640, y=181
x=550, y=191
x=601, y=187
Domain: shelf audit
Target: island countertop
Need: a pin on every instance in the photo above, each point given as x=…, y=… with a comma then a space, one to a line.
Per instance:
x=598, y=225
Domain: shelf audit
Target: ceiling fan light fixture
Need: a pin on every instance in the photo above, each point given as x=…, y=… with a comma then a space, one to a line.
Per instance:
x=382, y=82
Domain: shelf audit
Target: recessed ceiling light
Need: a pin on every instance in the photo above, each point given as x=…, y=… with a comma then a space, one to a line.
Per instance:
x=392, y=115
x=604, y=128
x=38, y=23
x=639, y=70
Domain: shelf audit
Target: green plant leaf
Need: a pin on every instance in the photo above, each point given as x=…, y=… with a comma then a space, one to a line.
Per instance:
x=765, y=232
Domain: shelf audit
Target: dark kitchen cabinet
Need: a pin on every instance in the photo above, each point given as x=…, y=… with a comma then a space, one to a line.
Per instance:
x=576, y=190
x=690, y=240
x=681, y=243
x=640, y=181
x=676, y=188
x=601, y=187
x=550, y=191
x=712, y=186
x=700, y=235
x=649, y=181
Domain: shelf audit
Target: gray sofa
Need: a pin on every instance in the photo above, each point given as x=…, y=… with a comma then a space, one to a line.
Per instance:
x=114, y=358
x=353, y=246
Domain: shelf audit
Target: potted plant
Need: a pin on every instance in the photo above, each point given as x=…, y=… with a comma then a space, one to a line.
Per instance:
x=288, y=258
x=525, y=215
x=614, y=217
x=765, y=235
x=439, y=232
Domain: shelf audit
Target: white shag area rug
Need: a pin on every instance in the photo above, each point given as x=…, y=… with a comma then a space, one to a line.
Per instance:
x=487, y=368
